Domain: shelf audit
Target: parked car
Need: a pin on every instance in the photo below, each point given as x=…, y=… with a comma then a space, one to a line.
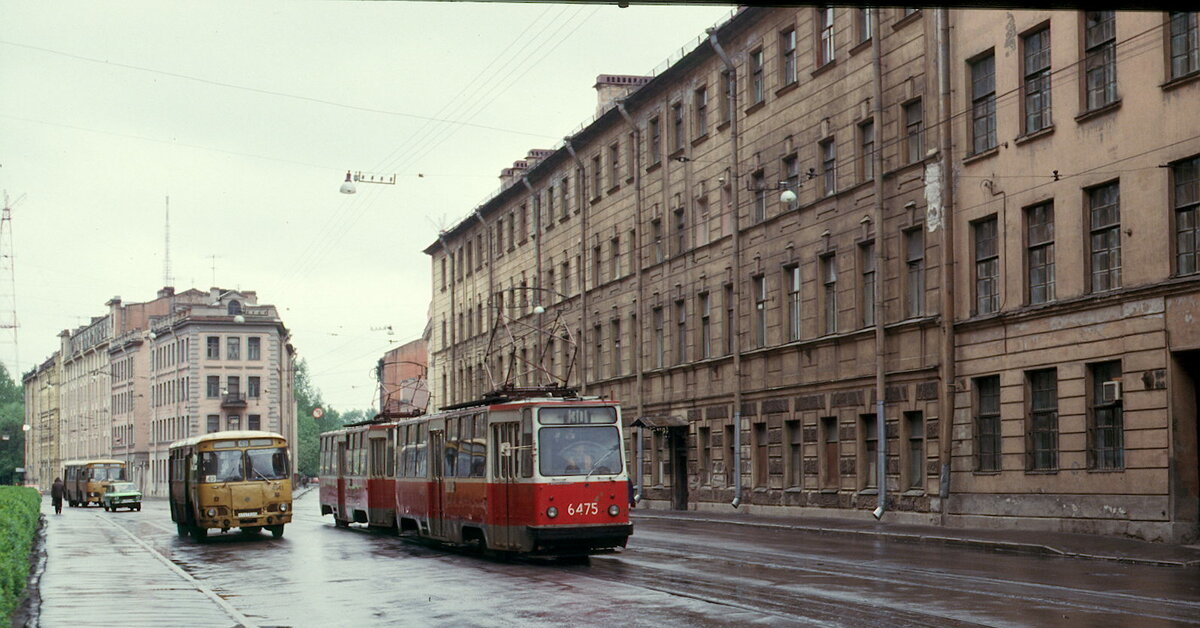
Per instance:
x=121, y=495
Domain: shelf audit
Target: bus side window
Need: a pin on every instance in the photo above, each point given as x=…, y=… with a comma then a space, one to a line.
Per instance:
x=526, y=443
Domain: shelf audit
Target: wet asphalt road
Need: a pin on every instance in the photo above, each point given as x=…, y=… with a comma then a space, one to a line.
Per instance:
x=675, y=573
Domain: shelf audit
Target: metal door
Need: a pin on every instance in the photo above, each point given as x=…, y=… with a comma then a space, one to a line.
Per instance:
x=505, y=472
x=677, y=441
x=341, y=481
x=437, y=490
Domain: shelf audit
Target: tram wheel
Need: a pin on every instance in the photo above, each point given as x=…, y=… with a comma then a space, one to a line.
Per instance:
x=341, y=523
x=277, y=531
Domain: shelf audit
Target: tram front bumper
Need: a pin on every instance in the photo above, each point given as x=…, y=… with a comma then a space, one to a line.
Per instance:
x=587, y=539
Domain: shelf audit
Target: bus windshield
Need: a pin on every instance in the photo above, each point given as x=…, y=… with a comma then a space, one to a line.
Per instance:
x=104, y=472
x=583, y=450
x=221, y=466
x=267, y=464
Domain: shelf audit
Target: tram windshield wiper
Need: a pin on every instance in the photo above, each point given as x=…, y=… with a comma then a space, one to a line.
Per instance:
x=614, y=449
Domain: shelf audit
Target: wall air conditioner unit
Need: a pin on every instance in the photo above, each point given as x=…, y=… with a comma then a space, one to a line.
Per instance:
x=1111, y=391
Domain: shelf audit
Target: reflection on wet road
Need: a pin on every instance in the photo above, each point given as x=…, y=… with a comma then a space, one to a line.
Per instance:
x=675, y=573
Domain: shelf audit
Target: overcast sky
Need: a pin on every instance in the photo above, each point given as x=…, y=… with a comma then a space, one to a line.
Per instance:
x=247, y=116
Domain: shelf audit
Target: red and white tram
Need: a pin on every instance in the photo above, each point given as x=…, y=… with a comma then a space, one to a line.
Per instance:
x=532, y=471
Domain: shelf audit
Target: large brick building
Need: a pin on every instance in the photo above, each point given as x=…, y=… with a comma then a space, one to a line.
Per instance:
x=748, y=250
x=144, y=375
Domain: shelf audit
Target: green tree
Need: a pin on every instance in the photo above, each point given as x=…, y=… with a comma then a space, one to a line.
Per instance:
x=12, y=420
x=309, y=429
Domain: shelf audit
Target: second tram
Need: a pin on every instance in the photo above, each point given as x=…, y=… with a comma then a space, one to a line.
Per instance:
x=534, y=472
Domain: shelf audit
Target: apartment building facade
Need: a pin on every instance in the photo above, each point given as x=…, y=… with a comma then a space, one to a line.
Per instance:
x=147, y=374
x=749, y=252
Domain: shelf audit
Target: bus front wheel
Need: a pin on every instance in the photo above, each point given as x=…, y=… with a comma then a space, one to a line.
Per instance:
x=182, y=530
x=276, y=531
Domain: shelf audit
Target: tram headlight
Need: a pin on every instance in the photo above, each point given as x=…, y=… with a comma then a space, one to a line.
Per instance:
x=283, y=507
x=212, y=512
x=552, y=512
x=614, y=510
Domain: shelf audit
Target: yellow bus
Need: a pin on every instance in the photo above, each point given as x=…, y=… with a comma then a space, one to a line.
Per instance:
x=83, y=479
x=235, y=479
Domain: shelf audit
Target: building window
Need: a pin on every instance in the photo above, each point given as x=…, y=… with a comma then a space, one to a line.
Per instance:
x=705, y=307
x=983, y=104
x=233, y=386
x=761, y=461
x=680, y=332
x=213, y=348
x=660, y=345
x=829, y=280
x=792, y=274
x=597, y=362
x=614, y=165
x=1104, y=203
x=656, y=233
x=214, y=423
x=1039, y=226
x=614, y=258
x=1043, y=420
x=987, y=423
x=866, y=152
x=862, y=24
x=914, y=132
x=655, y=139
x=828, y=151
x=564, y=194
x=616, y=348
x=1106, y=424
x=787, y=44
x=1100, y=42
x=1037, y=80
x=234, y=422
x=254, y=387
x=678, y=134
x=987, y=267
x=1186, y=176
x=212, y=388
x=914, y=425
x=566, y=278
x=760, y=311
x=824, y=35
x=700, y=103
x=870, y=462
x=704, y=447
x=757, y=87
x=760, y=197
x=254, y=348
x=828, y=454
x=680, y=231
x=1185, y=43
x=729, y=316
x=793, y=471
x=597, y=182
x=702, y=221
x=866, y=254
x=914, y=272
x=254, y=422
x=791, y=169
x=597, y=264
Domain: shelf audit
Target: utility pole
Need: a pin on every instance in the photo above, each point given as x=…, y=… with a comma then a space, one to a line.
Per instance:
x=8, y=294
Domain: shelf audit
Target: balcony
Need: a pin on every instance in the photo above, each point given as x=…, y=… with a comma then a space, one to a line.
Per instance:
x=233, y=400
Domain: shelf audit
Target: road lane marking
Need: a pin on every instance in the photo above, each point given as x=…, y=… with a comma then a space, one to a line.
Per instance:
x=225, y=606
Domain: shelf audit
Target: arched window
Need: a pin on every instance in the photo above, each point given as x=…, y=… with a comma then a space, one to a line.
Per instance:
x=235, y=307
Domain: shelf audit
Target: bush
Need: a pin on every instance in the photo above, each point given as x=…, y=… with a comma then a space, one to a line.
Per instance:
x=19, y=509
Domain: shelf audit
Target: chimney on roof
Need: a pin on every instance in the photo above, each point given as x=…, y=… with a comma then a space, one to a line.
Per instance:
x=613, y=87
x=509, y=175
x=166, y=291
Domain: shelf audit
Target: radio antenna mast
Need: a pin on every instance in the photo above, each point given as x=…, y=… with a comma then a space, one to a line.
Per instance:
x=167, y=279
x=8, y=292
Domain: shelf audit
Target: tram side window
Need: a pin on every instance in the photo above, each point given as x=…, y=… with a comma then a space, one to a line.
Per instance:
x=479, y=452
x=450, y=452
x=422, y=452
x=390, y=468
x=526, y=444
x=378, y=450
x=466, y=445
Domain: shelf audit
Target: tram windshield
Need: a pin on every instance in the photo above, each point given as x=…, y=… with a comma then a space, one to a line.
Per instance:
x=583, y=450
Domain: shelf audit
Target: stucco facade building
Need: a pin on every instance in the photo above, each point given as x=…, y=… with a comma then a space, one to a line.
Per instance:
x=147, y=374
x=756, y=339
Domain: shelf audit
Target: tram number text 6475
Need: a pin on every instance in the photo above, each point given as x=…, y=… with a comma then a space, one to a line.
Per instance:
x=586, y=508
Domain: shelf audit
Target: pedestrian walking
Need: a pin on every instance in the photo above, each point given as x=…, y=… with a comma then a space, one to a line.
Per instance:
x=56, y=495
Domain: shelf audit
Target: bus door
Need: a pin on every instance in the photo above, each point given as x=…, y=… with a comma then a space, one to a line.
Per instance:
x=341, y=480
x=437, y=492
x=505, y=470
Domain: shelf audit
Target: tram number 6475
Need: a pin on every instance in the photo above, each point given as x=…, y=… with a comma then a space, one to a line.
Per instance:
x=586, y=508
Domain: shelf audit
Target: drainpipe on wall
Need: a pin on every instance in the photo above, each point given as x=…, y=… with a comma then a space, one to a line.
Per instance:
x=581, y=191
x=537, y=280
x=453, y=322
x=880, y=337
x=638, y=266
x=948, y=374
x=737, y=263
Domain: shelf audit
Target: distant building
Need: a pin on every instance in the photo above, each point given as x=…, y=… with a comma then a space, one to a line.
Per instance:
x=403, y=385
x=755, y=338
x=131, y=382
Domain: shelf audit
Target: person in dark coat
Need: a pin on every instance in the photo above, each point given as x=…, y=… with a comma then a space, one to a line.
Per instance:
x=56, y=495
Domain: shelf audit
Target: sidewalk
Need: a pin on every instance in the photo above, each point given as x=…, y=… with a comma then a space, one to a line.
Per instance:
x=1049, y=543
x=94, y=572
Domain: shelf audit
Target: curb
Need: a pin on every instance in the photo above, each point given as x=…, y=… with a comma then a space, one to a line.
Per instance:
x=977, y=543
x=28, y=610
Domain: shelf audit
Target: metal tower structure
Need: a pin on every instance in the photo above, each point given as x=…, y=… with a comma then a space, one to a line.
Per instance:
x=168, y=280
x=9, y=352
